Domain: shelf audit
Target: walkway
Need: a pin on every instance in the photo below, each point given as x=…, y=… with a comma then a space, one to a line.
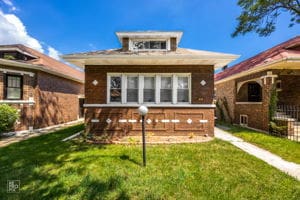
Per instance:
x=290, y=168
x=24, y=135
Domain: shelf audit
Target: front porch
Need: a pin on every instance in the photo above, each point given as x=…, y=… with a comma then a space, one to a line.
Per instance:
x=253, y=98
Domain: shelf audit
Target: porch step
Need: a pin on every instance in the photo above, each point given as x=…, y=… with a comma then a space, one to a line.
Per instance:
x=283, y=116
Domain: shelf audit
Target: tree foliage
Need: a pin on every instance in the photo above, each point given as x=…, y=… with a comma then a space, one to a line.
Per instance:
x=260, y=15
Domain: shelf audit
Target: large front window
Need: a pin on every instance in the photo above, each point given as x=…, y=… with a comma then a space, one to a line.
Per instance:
x=148, y=88
x=13, y=87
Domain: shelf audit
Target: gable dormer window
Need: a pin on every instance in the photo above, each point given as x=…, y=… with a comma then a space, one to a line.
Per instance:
x=146, y=45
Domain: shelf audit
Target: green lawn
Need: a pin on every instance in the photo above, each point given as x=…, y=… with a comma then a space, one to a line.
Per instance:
x=51, y=169
x=285, y=148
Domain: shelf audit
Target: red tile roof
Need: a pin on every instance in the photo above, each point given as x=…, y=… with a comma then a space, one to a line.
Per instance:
x=48, y=63
x=290, y=48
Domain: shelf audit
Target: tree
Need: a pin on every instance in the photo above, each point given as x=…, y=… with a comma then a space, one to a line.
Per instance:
x=260, y=15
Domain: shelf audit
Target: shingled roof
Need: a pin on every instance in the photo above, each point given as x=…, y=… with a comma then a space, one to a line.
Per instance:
x=217, y=58
x=46, y=63
x=285, y=50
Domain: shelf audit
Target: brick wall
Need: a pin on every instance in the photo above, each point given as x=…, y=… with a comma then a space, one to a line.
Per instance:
x=226, y=90
x=56, y=100
x=200, y=94
x=96, y=94
x=173, y=44
x=290, y=93
x=118, y=129
x=125, y=44
x=258, y=114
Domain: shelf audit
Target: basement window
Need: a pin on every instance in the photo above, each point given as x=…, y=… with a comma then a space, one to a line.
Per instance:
x=244, y=120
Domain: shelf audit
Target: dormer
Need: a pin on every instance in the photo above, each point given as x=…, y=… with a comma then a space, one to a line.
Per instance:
x=13, y=52
x=149, y=40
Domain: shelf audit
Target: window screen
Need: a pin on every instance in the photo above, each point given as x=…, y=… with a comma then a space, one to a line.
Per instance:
x=149, y=89
x=132, y=89
x=166, y=89
x=183, y=89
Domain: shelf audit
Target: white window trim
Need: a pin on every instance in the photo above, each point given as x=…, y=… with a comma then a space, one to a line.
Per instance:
x=141, y=87
x=168, y=44
x=31, y=74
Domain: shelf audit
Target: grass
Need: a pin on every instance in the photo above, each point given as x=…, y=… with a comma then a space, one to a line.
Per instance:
x=51, y=169
x=285, y=148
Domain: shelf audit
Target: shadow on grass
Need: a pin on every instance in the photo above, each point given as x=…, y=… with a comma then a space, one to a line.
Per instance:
x=126, y=157
x=41, y=162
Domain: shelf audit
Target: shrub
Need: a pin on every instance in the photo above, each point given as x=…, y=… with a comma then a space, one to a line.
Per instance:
x=279, y=130
x=8, y=117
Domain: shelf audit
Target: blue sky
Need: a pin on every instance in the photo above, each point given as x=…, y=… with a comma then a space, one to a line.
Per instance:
x=69, y=26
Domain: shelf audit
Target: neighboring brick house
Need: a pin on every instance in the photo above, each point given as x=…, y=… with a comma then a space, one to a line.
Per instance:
x=44, y=90
x=176, y=84
x=246, y=88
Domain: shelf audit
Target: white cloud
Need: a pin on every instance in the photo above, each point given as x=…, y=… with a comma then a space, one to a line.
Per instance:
x=10, y=4
x=13, y=31
x=53, y=53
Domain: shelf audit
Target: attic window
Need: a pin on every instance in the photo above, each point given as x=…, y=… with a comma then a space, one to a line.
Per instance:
x=149, y=45
x=10, y=55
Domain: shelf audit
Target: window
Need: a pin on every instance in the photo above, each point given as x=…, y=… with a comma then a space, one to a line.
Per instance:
x=166, y=89
x=149, y=45
x=278, y=86
x=13, y=87
x=115, y=89
x=149, y=89
x=183, y=89
x=132, y=89
x=244, y=120
x=10, y=55
x=254, y=92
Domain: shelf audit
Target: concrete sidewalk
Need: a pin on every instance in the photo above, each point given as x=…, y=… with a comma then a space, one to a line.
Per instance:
x=24, y=135
x=290, y=168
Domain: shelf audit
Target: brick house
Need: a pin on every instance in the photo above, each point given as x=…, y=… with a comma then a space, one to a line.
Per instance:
x=246, y=87
x=44, y=90
x=175, y=83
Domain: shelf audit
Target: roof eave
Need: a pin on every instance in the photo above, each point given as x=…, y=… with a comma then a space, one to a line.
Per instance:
x=264, y=66
x=217, y=61
x=38, y=68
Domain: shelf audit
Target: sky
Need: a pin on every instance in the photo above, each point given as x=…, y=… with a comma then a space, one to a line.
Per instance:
x=57, y=27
